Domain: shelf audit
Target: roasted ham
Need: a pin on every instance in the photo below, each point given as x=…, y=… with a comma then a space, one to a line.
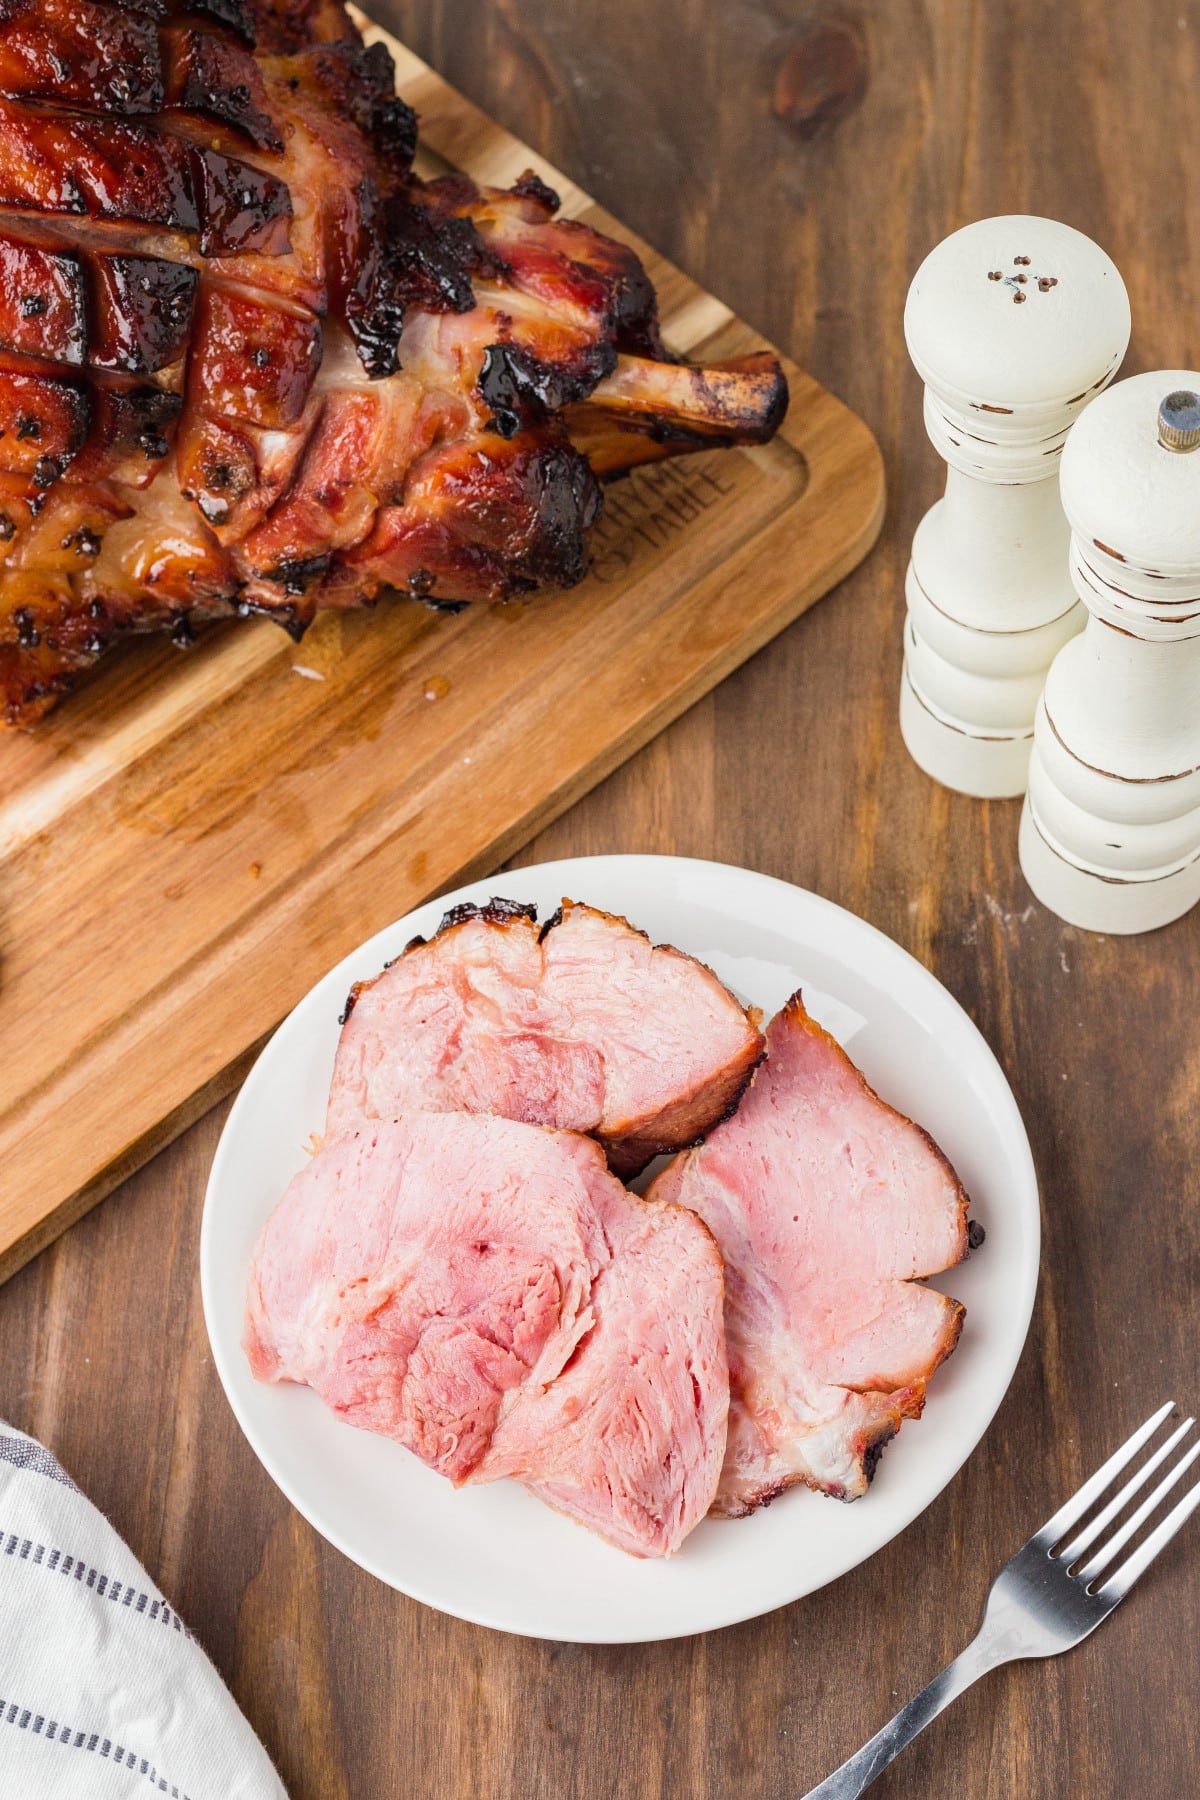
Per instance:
x=487, y=1294
x=828, y=1207
x=583, y=1025
x=249, y=363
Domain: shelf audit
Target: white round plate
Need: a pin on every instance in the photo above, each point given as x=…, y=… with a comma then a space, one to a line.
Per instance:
x=494, y=1554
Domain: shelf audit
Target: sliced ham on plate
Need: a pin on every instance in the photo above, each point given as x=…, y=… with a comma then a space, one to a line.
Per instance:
x=582, y=1024
x=630, y=1438
x=488, y=1294
x=828, y=1207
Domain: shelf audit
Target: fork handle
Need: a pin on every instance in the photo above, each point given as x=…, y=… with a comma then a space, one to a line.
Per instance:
x=857, y=1774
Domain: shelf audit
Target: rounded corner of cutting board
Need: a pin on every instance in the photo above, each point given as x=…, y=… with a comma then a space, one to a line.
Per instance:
x=846, y=466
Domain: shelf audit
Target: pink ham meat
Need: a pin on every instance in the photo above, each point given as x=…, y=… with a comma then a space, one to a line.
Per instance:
x=487, y=1294
x=827, y=1205
x=584, y=1025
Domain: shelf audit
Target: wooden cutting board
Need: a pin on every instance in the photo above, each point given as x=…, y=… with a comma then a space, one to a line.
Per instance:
x=189, y=843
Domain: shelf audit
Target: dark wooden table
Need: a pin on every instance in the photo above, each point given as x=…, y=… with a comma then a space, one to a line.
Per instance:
x=799, y=163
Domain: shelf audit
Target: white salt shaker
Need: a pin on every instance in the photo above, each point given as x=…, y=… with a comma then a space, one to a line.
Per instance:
x=1110, y=833
x=1015, y=324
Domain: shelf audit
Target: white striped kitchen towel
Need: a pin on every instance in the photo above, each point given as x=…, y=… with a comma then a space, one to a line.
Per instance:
x=104, y=1693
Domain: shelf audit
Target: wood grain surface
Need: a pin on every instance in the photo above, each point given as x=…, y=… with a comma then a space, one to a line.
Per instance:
x=247, y=829
x=799, y=162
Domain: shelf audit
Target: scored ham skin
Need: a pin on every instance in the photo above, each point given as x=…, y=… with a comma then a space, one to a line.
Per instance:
x=250, y=363
x=487, y=1294
x=583, y=1025
x=828, y=1207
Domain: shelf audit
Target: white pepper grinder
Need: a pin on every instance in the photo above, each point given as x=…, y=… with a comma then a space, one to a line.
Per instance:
x=1110, y=833
x=1015, y=324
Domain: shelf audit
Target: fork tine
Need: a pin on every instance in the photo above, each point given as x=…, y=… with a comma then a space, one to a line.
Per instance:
x=1117, y=1542
x=1074, y=1550
x=1120, y=1582
x=1073, y=1509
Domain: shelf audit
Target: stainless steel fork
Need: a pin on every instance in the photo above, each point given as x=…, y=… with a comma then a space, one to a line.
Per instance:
x=1048, y=1598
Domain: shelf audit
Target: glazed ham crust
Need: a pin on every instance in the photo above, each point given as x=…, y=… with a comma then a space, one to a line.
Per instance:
x=582, y=1024
x=251, y=364
x=487, y=1294
x=828, y=1207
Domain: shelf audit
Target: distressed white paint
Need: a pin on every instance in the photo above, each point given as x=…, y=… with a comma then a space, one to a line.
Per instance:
x=1015, y=324
x=1110, y=834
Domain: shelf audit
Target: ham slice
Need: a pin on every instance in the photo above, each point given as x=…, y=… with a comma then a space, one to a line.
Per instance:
x=582, y=1025
x=827, y=1206
x=487, y=1294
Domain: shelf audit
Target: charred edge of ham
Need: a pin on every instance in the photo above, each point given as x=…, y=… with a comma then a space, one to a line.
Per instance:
x=496, y=911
